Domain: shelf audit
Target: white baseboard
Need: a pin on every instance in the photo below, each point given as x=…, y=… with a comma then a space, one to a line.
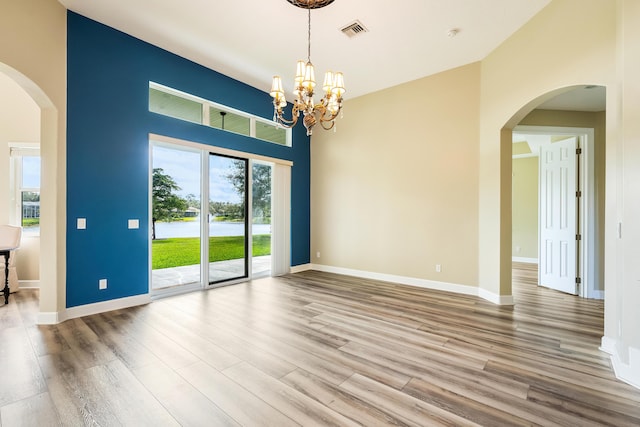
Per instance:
x=596, y=294
x=29, y=284
x=51, y=318
x=628, y=372
x=47, y=318
x=527, y=260
x=495, y=298
x=300, y=268
x=421, y=283
x=608, y=345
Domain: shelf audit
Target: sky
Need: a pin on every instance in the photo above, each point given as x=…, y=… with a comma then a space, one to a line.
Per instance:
x=31, y=172
x=184, y=167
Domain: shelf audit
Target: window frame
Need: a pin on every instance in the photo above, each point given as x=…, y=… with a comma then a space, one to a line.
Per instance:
x=205, y=116
x=17, y=151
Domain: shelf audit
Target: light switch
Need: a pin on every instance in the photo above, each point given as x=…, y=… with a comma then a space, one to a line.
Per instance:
x=82, y=223
x=134, y=223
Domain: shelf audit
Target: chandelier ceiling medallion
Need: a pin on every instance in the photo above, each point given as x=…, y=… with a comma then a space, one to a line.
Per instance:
x=330, y=105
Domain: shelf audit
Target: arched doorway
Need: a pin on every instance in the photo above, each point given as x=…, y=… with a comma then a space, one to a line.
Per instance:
x=49, y=272
x=578, y=107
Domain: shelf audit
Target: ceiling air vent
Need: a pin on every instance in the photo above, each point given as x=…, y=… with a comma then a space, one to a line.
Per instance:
x=354, y=29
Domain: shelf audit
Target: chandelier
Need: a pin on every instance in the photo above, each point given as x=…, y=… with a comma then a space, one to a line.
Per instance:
x=326, y=111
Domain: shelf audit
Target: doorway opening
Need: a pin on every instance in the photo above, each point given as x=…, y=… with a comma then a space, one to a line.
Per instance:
x=20, y=125
x=554, y=216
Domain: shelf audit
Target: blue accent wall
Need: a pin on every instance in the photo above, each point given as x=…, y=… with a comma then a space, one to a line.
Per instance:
x=108, y=123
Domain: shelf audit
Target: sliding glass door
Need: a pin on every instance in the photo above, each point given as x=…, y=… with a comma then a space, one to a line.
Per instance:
x=228, y=218
x=214, y=219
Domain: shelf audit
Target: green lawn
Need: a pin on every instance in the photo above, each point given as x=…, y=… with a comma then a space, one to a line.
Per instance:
x=175, y=252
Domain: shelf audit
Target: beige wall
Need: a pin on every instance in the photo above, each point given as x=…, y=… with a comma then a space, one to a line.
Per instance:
x=525, y=207
x=624, y=323
x=19, y=122
x=551, y=53
x=394, y=190
x=33, y=53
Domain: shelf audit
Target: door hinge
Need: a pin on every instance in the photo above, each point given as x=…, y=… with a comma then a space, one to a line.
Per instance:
x=578, y=280
x=578, y=150
x=578, y=194
x=578, y=237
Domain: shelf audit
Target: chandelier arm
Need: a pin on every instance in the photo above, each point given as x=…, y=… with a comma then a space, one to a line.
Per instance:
x=331, y=117
x=286, y=122
x=333, y=123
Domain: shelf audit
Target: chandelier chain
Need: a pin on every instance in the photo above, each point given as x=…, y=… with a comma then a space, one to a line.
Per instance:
x=309, y=38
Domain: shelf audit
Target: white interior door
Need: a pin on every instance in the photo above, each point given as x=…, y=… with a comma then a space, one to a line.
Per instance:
x=558, y=224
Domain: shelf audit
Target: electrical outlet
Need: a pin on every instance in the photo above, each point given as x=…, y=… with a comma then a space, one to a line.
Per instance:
x=438, y=268
x=102, y=284
x=318, y=254
x=517, y=248
x=81, y=223
x=133, y=224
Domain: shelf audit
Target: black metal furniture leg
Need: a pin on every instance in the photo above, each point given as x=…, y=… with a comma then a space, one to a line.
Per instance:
x=6, y=277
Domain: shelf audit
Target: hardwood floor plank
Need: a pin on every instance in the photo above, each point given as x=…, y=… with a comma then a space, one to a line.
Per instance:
x=400, y=405
x=241, y=405
x=21, y=375
x=185, y=403
x=131, y=402
x=339, y=400
x=37, y=410
x=461, y=405
x=284, y=398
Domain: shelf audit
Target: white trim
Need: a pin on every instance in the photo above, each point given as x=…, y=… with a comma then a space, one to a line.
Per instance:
x=47, y=318
x=155, y=138
x=420, y=283
x=51, y=318
x=495, y=298
x=627, y=372
x=300, y=268
x=55, y=317
x=596, y=294
x=104, y=306
x=608, y=345
x=525, y=155
x=29, y=284
x=523, y=259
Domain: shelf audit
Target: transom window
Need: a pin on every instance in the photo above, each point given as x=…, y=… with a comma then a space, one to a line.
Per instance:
x=180, y=105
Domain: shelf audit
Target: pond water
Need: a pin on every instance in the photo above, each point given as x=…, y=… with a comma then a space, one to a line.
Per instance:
x=216, y=228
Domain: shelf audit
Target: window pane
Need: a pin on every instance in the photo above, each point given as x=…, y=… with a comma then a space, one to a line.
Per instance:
x=174, y=106
x=228, y=121
x=271, y=133
x=176, y=219
x=30, y=208
x=31, y=172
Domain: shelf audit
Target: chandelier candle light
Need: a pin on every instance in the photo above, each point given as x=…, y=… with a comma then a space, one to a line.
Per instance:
x=330, y=105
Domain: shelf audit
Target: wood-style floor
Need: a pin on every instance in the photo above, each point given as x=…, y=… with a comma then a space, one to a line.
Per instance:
x=315, y=349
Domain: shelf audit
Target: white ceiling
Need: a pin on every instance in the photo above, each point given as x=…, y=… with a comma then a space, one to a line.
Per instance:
x=252, y=40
